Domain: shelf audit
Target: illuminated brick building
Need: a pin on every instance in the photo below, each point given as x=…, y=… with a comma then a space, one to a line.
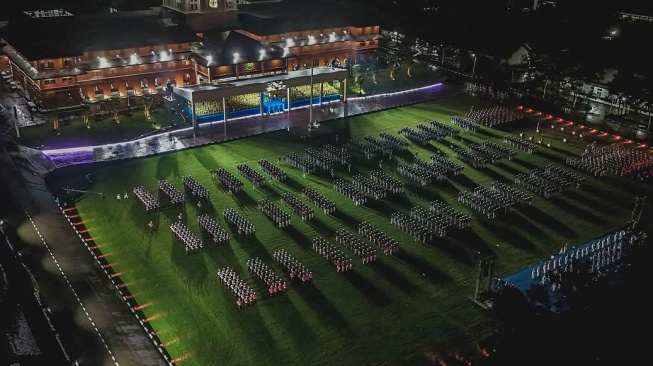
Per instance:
x=124, y=55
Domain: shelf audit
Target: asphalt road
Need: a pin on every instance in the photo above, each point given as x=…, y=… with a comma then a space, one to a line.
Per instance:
x=95, y=326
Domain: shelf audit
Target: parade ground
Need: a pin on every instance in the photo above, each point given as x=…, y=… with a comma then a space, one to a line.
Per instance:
x=407, y=307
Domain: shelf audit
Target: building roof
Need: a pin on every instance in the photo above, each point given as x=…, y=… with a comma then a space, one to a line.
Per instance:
x=219, y=48
x=71, y=36
x=236, y=87
x=289, y=16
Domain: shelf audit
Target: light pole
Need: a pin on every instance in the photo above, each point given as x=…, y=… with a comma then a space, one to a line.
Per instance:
x=474, y=66
x=310, y=105
x=442, y=50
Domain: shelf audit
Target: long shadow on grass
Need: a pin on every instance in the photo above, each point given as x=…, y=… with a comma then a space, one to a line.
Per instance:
x=371, y=292
x=614, y=188
x=290, y=319
x=244, y=200
x=205, y=158
x=321, y=227
x=421, y=267
x=485, y=132
x=470, y=240
x=325, y=311
x=269, y=191
x=509, y=168
x=254, y=248
x=171, y=213
x=452, y=249
x=396, y=278
x=298, y=236
x=427, y=194
x=463, y=181
x=223, y=255
x=606, y=206
x=346, y=218
x=508, y=233
x=167, y=166
x=526, y=164
x=551, y=156
x=576, y=210
x=545, y=219
x=192, y=266
x=256, y=331
x=523, y=224
x=397, y=200
x=628, y=184
x=378, y=206
x=491, y=172
x=292, y=183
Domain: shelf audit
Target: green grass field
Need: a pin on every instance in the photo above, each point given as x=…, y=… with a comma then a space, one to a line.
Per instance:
x=103, y=131
x=406, y=309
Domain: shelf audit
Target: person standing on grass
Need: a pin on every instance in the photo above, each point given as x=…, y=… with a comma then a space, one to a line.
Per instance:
x=118, y=196
x=151, y=225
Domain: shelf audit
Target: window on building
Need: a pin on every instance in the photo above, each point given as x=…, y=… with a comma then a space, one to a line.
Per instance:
x=172, y=64
x=67, y=80
x=66, y=62
x=49, y=82
x=48, y=64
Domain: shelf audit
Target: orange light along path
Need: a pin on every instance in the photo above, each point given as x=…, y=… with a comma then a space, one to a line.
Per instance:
x=153, y=317
x=179, y=359
x=143, y=306
x=172, y=341
x=590, y=131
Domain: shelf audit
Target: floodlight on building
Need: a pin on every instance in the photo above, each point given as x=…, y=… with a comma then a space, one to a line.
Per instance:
x=332, y=37
x=286, y=51
x=236, y=57
x=170, y=50
x=290, y=42
x=311, y=39
x=103, y=62
x=133, y=59
x=164, y=56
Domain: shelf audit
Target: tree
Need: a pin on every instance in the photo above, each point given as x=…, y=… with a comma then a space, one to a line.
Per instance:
x=113, y=104
x=147, y=102
x=356, y=72
x=54, y=116
x=86, y=114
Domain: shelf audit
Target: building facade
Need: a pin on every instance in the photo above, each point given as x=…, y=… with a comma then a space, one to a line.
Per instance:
x=122, y=56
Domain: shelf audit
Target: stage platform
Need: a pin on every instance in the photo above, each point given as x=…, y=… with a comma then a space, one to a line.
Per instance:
x=602, y=254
